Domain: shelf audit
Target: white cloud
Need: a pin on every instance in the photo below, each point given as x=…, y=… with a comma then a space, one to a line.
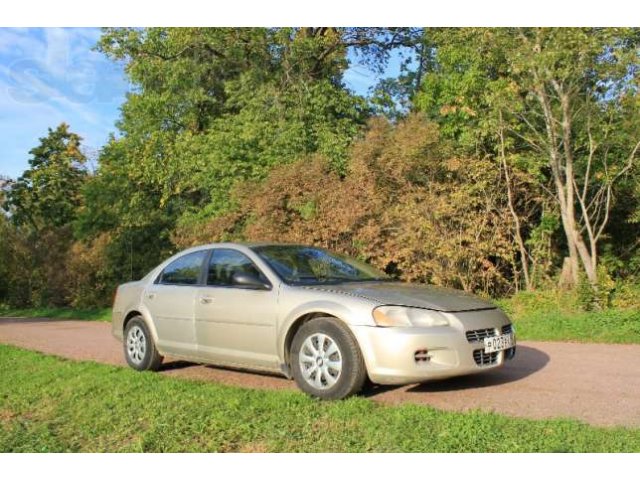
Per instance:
x=32, y=90
x=58, y=50
x=59, y=56
x=18, y=42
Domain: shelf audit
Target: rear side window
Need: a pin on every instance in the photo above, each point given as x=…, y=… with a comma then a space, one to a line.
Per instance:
x=225, y=262
x=185, y=270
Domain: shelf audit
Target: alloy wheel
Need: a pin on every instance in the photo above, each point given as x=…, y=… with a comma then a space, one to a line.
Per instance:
x=320, y=361
x=136, y=344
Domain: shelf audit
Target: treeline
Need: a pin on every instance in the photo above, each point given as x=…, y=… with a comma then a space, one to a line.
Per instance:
x=497, y=160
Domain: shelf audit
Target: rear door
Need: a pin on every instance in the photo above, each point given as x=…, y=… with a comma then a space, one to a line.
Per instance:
x=171, y=301
x=235, y=324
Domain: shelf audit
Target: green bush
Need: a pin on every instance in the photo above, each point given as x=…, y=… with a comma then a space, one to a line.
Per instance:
x=596, y=297
x=626, y=294
x=560, y=315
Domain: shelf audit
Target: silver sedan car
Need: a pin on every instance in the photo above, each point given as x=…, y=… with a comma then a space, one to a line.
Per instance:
x=325, y=320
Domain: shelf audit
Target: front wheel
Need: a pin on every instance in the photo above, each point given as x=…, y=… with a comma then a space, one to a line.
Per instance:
x=326, y=360
x=139, y=349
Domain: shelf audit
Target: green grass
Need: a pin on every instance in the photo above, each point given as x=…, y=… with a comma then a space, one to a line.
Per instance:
x=99, y=314
x=48, y=404
x=553, y=316
x=613, y=326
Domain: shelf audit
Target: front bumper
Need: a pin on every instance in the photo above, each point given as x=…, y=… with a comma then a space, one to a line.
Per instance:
x=395, y=356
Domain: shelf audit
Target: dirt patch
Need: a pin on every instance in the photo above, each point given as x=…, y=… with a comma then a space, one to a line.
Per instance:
x=254, y=447
x=6, y=416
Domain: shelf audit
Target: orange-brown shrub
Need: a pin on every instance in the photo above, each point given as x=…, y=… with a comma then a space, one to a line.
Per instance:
x=405, y=205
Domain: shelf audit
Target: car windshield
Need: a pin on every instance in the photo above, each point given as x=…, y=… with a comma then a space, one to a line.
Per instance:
x=300, y=265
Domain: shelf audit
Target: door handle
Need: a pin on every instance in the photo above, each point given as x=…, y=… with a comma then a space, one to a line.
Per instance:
x=206, y=300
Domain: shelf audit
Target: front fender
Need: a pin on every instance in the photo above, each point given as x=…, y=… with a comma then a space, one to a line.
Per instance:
x=349, y=312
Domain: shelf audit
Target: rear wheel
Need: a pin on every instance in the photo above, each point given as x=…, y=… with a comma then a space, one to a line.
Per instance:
x=139, y=349
x=326, y=361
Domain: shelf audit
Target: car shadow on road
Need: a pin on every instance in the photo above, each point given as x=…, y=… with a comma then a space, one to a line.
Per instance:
x=528, y=361
x=175, y=365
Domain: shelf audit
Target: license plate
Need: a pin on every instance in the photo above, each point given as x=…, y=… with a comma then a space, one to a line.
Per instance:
x=499, y=343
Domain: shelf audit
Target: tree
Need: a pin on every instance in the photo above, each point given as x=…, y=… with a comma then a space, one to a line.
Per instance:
x=211, y=108
x=561, y=104
x=216, y=106
x=406, y=205
x=121, y=229
x=48, y=193
x=42, y=203
x=5, y=245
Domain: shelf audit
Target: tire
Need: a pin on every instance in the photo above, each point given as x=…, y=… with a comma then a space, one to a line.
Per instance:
x=140, y=350
x=333, y=370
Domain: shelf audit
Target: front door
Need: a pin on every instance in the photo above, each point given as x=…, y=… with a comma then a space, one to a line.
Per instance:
x=235, y=324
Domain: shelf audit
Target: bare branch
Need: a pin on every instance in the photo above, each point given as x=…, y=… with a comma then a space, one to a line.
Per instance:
x=592, y=151
x=585, y=216
x=629, y=163
x=606, y=214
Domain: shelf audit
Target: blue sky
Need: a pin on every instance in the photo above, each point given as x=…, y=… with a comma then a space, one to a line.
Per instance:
x=48, y=76
x=51, y=75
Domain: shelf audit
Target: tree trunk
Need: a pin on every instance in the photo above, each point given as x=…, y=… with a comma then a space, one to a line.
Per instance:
x=559, y=143
x=566, y=276
x=524, y=254
x=588, y=260
x=567, y=226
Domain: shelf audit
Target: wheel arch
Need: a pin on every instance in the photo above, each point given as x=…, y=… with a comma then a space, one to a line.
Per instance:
x=140, y=312
x=295, y=326
x=128, y=317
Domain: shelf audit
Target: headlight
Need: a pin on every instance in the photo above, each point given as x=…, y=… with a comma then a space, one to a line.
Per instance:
x=392, y=316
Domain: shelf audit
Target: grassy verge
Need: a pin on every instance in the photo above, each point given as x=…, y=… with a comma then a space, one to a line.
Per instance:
x=553, y=316
x=99, y=314
x=50, y=404
x=613, y=326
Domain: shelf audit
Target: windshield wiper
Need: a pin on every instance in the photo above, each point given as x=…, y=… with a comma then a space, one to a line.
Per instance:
x=372, y=279
x=311, y=280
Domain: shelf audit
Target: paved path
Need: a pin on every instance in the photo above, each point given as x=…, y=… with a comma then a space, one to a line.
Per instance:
x=595, y=383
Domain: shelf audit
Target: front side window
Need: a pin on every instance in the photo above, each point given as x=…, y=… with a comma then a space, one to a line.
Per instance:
x=300, y=265
x=224, y=263
x=185, y=270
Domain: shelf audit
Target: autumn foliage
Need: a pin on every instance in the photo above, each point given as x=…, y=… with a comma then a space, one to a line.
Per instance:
x=496, y=160
x=405, y=204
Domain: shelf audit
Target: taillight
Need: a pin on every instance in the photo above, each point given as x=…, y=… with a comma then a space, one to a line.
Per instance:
x=115, y=294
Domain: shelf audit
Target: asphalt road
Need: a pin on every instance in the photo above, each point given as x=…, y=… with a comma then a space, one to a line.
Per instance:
x=595, y=383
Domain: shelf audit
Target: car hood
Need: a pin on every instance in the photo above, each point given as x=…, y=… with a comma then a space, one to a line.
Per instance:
x=411, y=295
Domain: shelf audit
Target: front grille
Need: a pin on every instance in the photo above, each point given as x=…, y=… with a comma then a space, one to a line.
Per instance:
x=481, y=334
x=483, y=359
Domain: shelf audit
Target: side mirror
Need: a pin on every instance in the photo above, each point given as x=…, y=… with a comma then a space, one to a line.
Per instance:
x=248, y=280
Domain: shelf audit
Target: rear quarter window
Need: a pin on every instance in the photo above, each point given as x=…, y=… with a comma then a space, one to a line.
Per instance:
x=184, y=270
